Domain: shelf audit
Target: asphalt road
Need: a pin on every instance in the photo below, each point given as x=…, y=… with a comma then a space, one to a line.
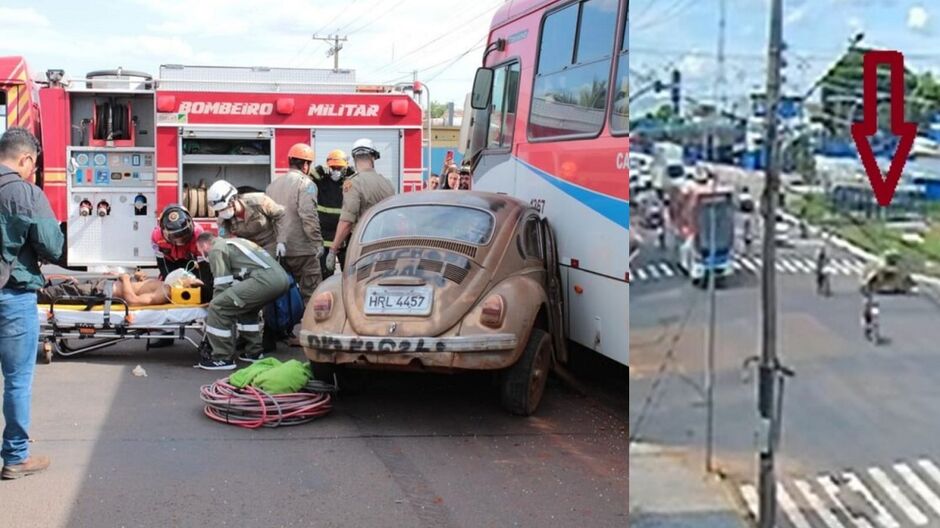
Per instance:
x=860, y=412
x=405, y=450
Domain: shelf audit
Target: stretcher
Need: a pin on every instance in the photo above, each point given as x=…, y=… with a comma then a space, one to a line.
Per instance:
x=70, y=329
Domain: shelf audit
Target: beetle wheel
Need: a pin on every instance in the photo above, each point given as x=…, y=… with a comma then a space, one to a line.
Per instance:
x=523, y=384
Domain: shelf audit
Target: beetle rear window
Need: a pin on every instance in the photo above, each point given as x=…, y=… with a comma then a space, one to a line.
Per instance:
x=462, y=224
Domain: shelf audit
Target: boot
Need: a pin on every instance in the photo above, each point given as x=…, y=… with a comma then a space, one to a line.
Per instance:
x=30, y=466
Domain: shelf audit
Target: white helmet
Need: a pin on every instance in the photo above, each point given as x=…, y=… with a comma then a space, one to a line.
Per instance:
x=364, y=147
x=220, y=195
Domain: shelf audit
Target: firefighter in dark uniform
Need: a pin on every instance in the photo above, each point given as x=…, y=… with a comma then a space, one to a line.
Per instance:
x=246, y=279
x=360, y=193
x=329, y=181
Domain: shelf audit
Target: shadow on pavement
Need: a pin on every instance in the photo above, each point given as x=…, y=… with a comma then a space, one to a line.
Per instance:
x=685, y=520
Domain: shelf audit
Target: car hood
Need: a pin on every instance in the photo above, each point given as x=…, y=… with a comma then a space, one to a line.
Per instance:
x=455, y=280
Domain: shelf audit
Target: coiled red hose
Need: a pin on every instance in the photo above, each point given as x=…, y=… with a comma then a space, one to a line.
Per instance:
x=253, y=408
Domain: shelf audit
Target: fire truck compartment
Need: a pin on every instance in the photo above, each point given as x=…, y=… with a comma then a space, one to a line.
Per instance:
x=241, y=156
x=127, y=116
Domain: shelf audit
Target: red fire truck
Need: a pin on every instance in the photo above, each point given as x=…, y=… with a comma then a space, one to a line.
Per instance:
x=119, y=146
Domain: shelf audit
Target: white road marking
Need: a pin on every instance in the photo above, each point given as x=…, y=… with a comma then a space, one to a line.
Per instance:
x=915, y=482
x=884, y=517
x=931, y=469
x=913, y=513
x=832, y=490
x=641, y=274
x=814, y=501
x=736, y=264
x=653, y=272
x=667, y=271
x=857, y=266
x=800, y=265
x=779, y=266
x=789, y=507
x=789, y=267
x=749, y=493
x=748, y=264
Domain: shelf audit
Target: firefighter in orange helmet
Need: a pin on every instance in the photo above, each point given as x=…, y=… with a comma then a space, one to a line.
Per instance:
x=294, y=191
x=330, y=180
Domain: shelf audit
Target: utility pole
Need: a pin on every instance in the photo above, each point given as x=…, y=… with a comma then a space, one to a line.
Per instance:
x=334, y=48
x=769, y=369
x=710, y=346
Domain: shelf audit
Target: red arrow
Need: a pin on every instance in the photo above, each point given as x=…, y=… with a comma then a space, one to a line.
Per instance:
x=883, y=187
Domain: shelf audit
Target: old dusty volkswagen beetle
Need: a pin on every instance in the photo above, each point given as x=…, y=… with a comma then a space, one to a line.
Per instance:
x=443, y=281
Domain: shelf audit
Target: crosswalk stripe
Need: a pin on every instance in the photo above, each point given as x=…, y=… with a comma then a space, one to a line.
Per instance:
x=748, y=264
x=654, y=273
x=789, y=507
x=798, y=264
x=816, y=503
x=736, y=264
x=749, y=493
x=913, y=513
x=641, y=274
x=833, y=491
x=667, y=271
x=856, y=266
x=884, y=516
x=779, y=266
x=931, y=469
x=919, y=486
x=788, y=266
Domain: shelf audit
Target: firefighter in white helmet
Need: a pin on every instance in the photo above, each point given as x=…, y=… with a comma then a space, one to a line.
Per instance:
x=252, y=216
x=298, y=195
x=360, y=192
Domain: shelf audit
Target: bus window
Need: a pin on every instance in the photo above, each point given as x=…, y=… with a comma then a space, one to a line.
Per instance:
x=502, y=116
x=571, y=83
x=619, y=115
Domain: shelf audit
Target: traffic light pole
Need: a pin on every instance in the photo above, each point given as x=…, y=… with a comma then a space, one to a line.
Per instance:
x=769, y=369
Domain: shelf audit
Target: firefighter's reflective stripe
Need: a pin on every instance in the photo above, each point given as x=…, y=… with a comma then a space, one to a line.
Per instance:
x=329, y=210
x=327, y=243
x=218, y=331
x=249, y=253
x=248, y=327
x=226, y=279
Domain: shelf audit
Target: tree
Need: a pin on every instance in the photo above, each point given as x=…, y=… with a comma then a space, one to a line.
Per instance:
x=665, y=113
x=438, y=109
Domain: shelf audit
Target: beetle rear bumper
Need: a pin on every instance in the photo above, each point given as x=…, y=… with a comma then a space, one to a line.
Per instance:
x=489, y=351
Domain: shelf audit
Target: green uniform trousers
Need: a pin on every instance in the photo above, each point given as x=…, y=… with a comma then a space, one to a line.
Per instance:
x=236, y=312
x=306, y=272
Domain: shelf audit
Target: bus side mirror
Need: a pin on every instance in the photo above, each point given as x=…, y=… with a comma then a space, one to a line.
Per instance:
x=482, y=89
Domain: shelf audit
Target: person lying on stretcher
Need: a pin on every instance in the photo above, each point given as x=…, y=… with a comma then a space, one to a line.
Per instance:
x=136, y=291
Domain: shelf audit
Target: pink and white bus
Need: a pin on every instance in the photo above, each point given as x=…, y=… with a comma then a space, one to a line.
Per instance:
x=549, y=126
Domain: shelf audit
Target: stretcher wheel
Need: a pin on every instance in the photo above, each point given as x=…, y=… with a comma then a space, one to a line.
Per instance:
x=45, y=352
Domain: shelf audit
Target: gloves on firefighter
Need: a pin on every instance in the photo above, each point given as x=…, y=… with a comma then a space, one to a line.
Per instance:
x=319, y=251
x=281, y=250
x=331, y=261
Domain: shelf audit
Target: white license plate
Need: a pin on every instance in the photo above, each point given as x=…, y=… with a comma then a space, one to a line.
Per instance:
x=398, y=300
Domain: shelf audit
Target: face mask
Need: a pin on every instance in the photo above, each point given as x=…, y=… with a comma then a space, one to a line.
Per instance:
x=336, y=175
x=227, y=214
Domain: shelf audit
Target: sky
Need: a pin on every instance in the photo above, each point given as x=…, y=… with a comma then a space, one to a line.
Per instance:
x=387, y=39
x=684, y=33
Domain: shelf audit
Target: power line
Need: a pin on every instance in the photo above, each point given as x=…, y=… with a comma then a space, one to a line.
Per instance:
x=335, y=18
x=375, y=18
x=446, y=33
x=356, y=17
x=456, y=60
x=678, y=8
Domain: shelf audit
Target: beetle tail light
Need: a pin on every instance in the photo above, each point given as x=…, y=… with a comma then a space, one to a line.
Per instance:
x=323, y=306
x=494, y=311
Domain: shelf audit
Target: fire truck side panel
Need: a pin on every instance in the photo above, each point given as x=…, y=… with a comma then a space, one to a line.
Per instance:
x=285, y=138
x=55, y=138
x=168, y=176
x=412, y=179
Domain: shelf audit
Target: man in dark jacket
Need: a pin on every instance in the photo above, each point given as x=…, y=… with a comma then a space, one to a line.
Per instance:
x=329, y=182
x=29, y=233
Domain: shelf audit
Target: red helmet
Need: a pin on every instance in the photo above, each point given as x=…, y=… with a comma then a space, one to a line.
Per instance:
x=176, y=225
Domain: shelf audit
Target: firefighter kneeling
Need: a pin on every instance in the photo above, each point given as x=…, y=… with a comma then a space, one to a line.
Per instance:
x=246, y=279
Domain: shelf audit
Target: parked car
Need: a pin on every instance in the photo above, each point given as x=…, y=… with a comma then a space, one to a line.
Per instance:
x=652, y=211
x=442, y=282
x=889, y=275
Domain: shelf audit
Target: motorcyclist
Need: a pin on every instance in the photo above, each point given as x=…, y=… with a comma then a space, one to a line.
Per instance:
x=869, y=315
x=748, y=235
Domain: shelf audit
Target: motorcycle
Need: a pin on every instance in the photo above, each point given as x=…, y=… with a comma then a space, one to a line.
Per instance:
x=824, y=281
